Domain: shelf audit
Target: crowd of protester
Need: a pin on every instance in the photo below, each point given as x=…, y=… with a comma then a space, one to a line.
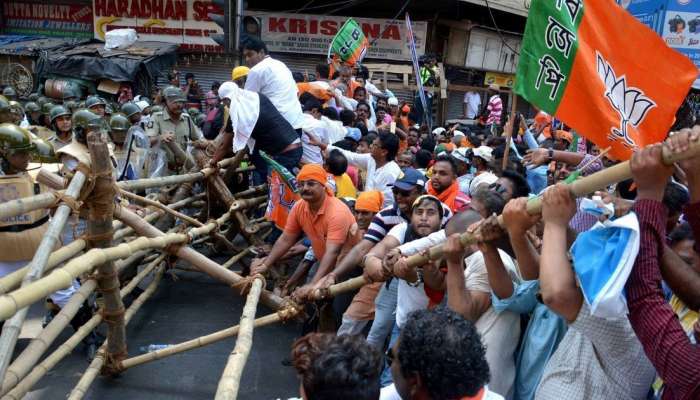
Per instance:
x=505, y=317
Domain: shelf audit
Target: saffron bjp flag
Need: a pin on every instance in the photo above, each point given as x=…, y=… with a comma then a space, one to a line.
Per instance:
x=349, y=45
x=602, y=72
x=283, y=192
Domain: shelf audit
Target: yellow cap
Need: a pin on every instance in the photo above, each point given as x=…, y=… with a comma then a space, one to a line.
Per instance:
x=239, y=72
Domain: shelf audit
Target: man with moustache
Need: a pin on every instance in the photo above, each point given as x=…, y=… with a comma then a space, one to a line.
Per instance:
x=325, y=220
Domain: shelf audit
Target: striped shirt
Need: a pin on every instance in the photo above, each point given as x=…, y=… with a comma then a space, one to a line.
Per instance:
x=495, y=109
x=388, y=218
x=676, y=359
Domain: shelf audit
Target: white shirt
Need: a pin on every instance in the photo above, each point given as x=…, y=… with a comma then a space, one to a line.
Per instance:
x=409, y=298
x=273, y=79
x=381, y=179
x=311, y=153
x=473, y=102
x=335, y=129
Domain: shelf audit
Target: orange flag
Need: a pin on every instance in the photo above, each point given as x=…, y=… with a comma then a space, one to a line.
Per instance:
x=602, y=72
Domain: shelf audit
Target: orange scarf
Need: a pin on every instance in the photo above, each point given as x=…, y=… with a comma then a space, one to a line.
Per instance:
x=448, y=196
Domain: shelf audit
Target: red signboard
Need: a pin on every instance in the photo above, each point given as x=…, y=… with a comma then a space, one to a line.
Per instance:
x=63, y=20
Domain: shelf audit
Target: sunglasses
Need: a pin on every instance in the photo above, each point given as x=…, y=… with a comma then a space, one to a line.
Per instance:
x=389, y=356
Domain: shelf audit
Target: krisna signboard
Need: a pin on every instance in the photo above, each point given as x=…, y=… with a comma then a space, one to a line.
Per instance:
x=312, y=34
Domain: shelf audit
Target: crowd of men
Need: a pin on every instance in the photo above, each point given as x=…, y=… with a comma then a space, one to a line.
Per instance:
x=507, y=317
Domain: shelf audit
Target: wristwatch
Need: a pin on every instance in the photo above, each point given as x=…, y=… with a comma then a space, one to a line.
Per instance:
x=550, y=153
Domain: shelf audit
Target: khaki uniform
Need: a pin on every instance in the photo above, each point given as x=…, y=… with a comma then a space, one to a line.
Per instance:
x=185, y=130
x=58, y=143
x=41, y=131
x=21, y=235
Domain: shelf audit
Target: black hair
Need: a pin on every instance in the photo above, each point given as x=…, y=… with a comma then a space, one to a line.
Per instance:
x=306, y=96
x=625, y=189
x=171, y=76
x=428, y=144
x=675, y=198
x=323, y=70
x=331, y=113
x=343, y=367
x=390, y=143
x=492, y=201
x=430, y=199
x=445, y=350
x=474, y=140
x=312, y=103
x=680, y=233
x=362, y=103
x=361, y=89
x=368, y=138
x=337, y=163
x=298, y=76
x=520, y=186
x=335, y=75
x=346, y=144
x=255, y=44
x=423, y=158
x=189, y=75
x=380, y=108
x=363, y=129
x=215, y=85
x=347, y=117
x=363, y=72
x=449, y=160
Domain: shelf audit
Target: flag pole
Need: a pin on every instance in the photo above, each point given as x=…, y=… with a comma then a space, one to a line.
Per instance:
x=509, y=133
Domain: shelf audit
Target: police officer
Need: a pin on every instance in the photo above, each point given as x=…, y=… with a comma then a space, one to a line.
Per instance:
x=76, y=153
x=96, y=104
x=61, y=125
x=19, y=235
x=5, y=112
x=17, y=112
x=137, y=129
x=33, y=113
x=173, y=125
x=46, y=114
x=9, y=93
x=129, y=156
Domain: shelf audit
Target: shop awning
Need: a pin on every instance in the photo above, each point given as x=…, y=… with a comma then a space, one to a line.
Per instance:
x=517, y=7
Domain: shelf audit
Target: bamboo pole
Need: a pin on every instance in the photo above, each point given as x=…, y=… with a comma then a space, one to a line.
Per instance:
x=580, y=187
x=253, y=228
x=35, y=270
x=242, y=204
x=231, y=261
x=513, y=130
x=195, y=258
x=283, y=314
x=98, y=362
x=62, y=277
x=260, y=189
x=100, y=205
x=181, y=157
x=36, y=348
x=231, y=378
x=160, y=206
x=63, y=350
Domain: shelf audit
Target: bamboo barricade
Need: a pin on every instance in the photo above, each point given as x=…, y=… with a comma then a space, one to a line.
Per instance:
x=98, y=362
x=47, y=200
x=36, y=267
x=289, y=311
x=581, y=187
x=231, y=377
x=231, y=261
x=62, y=277
x=36, y=348
x=64, y=349
x=13, y=280
x=100, y=205
x=193, y=257
x=261, y=189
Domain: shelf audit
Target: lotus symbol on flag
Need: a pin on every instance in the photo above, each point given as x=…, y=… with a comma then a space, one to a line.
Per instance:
x=630, y=102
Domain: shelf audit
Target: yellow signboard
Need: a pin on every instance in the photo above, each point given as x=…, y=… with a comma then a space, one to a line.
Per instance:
x=502, y=80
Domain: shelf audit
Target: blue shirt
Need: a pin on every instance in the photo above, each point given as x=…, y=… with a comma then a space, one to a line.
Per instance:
x=542, y=336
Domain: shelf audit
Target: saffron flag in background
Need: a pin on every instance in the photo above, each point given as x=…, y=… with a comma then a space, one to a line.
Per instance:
x=283, y=192
x=602, y=72
x=349, y=45
x=416, y=70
